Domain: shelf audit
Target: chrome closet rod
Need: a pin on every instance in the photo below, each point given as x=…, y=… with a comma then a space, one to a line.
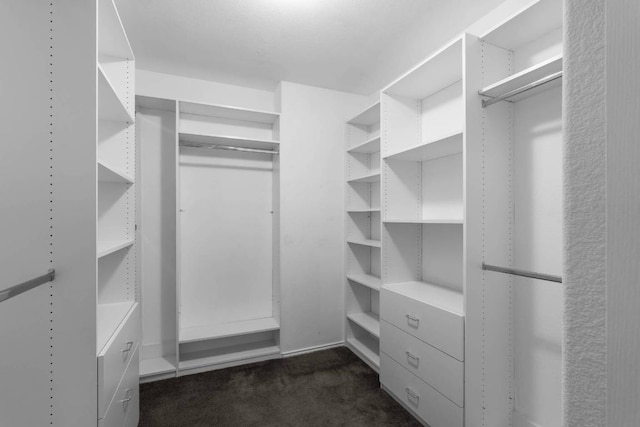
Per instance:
x=25, y=286
x=227, y=147
x=523, y=273
x=514, y=92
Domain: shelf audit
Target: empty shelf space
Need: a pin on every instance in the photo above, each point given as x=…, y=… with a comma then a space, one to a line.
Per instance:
x=110, y=106
x=428, y=293
x=367, y=280
x=425, y=221
x=224, y=330
x=363, y=347
x=370, y=322
x=523, y=78
x=110, y=246
x=228, y=112
x=108, y=318
x=430, y=150
x=367, y=147
x=107, y=173
x=366, y=210
x=370, y=177
x=228, y=354
x=230, y=141
x=365, y=242
x=368, y=117
x=156, y=366
x=112, y=39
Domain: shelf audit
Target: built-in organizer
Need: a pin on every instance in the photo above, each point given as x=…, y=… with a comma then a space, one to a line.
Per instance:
x=212, y=296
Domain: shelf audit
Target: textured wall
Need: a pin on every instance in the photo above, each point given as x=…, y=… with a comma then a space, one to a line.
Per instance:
x=585, y=214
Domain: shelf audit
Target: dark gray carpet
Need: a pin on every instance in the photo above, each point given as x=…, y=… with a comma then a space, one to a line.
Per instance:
x=325, y=388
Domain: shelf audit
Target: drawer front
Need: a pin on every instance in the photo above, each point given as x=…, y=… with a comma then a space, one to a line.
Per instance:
x=429, y=405
x=438, y=369
x=440, y=328
x=126, y=400
x=114, y=358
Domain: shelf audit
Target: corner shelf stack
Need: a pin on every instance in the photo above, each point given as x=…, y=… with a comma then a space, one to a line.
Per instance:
x=118, y=326
x=363, y=235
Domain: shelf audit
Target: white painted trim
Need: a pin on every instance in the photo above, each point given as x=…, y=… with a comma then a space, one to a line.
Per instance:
x=313, y=349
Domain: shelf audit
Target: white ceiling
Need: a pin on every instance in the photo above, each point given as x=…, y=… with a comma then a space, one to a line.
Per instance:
x=350, y=45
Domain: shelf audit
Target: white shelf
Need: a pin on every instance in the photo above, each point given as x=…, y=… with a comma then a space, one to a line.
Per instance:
x=227, y=354
x=152, y=103
x=425, y=221
x=107, y=173
x=224, y=330
x=367, y=280
x=368, y=117
x=228, y=112
x=156, y=366
x=528, y=24
x=232, y=141
x=370, y=177
x=369, y=146
x=440, y=70
x=369, y=321
x=112, y=39
x=362, y=347
x=431, y=150
x=110, y=106
x=524, y=77
x=437, y=296
x=365, y=242
x=109, y=317
x=363, y=210
x=110, y=246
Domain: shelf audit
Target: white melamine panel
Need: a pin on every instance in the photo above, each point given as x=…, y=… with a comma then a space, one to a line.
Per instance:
x=125, y=401
x=115, y=278
x=368, y=117
x=442, y=113
x=402, y=189
x=230, y=329
x=538, y=51
x=367, y=280
x=226, y=236
x=119, y=74
x=112, y=39
x=114, y=208
x=112, y=142
x=110, y=106
x=431, y=149
x=442, y=254
x=524, y=77
x=401, y=126
x=369, y=321
x=441, y=188
x=367, y=347
x=401, y=252
x=226, y=127
x=370, y=145
x=229, y=112
x=231, y=141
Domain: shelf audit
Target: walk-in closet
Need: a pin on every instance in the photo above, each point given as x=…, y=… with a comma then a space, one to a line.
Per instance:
x=319, y=213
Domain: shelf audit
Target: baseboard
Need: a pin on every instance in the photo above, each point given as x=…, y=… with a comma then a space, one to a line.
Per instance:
x=313, y=349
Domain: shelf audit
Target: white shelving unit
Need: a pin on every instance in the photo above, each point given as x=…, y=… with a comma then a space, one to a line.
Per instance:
x=362, y=228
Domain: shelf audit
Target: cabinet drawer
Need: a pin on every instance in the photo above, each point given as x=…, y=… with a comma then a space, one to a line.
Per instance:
x=115, y=356
x=438, y=369
x=441, y=328
x=429, y=405
x=124, y=407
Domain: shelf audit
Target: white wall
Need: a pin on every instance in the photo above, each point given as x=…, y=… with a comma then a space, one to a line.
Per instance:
x=312, y=213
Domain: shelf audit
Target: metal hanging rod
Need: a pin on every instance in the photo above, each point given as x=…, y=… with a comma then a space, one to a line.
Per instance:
x=227, y=147
x=523, y=273
x=514, y=92
x=25, y=286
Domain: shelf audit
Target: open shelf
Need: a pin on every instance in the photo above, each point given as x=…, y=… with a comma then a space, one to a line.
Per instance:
x=425, y=221
x=365, y=242
x=368, y=117
x=369, y=321
x=528, y=24
x=228, y=112
x=229, y=141
x=109, y=317
x=108, y=247
x=367, y=280
x=363, y=347
x=428, y=293
x=112, y=39
x=224, y=330
x=369, y=146
x=363, y=210
x=234, y=353
x=431, y=150
x=107, y=173
x=110, y=106
x=156, y=366
x=370, y=177
x=523, y=78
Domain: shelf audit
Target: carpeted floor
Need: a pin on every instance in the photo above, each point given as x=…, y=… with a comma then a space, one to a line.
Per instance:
x=325, y=388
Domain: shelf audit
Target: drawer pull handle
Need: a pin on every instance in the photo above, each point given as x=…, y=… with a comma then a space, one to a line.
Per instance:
x=413, y=321
x=127, y=396
x=412, y=395
x=413, y=360
x=127, y=347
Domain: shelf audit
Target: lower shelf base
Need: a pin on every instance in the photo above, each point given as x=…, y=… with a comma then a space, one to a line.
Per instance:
x=207, y=360
x=364, y=350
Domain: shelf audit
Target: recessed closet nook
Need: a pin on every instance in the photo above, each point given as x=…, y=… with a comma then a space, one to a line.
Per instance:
x=419, y=226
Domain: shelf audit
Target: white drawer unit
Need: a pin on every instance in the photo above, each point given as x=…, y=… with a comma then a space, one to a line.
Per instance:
x=438, y=369
x=114, y=357
x=124, y=408
x=427, y=312
x=423, y=400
